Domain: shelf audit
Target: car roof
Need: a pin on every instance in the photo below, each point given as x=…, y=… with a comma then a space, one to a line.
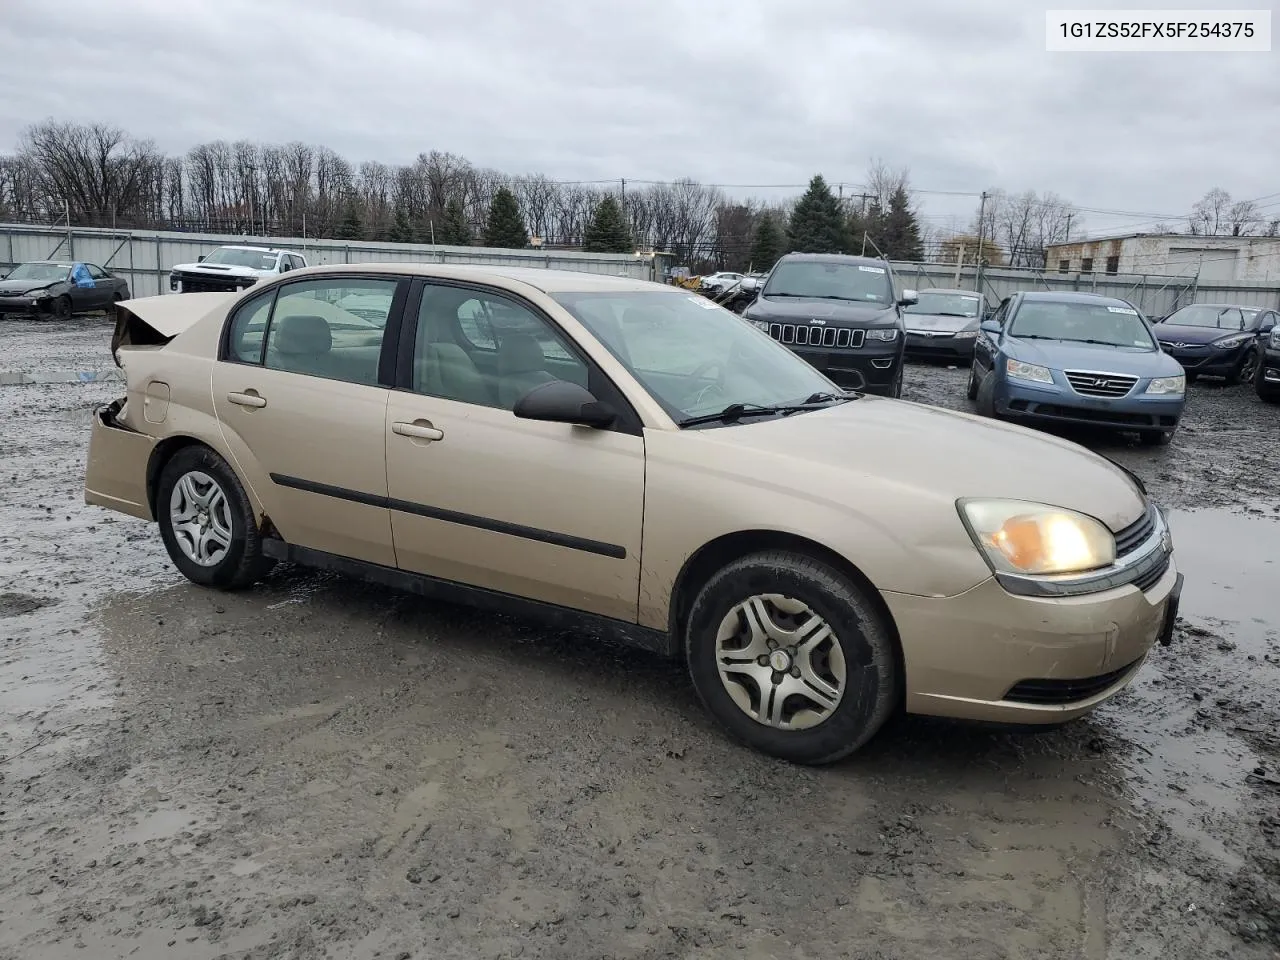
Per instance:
x=969, y=293
x=1054, y=296
x=834, y=258
x=257, y=248
x=546, y=280
x=51, y=263
x=1225, y=306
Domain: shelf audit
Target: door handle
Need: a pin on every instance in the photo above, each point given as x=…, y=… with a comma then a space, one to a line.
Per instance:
x=247, y=399
x=418, y=430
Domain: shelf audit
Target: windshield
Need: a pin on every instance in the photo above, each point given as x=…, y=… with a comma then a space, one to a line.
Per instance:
x=840, y=281
x=693, y=356
x=230, y=256
x=1206, y=315
x=1116, y=325
x=40, y=271
x=946, y=304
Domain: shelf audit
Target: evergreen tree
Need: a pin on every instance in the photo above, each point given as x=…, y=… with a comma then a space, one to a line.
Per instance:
x=866, y=230
x=901, y=230
x=401, y=228
x=350, y=227
x=506, y=226
x=767, y=244
x=454, y=230
x=817, y=223
x=607, y=232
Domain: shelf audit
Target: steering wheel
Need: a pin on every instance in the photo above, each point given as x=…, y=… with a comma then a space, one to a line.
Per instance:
x=717, y=383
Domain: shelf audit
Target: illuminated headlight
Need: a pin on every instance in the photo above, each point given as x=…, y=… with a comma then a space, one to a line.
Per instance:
x=1035, y=539
x=1169, y=386
x=890, y=334
x=1228, y=343
x=966, y=334
x=1027, y=371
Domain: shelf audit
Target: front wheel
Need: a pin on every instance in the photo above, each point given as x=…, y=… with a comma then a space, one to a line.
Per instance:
x=206, y=521
x=972, y=390
x=985, y=399
x=62, y=308
x=791, y=657
x=1248, y=367
x=895, y=389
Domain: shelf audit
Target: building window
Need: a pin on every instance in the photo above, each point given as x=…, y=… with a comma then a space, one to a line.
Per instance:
x=1113, y=264
x=1064, y=266
x=1086, y=265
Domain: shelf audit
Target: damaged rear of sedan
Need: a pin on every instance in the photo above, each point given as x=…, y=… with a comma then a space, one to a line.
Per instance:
x=633, y=460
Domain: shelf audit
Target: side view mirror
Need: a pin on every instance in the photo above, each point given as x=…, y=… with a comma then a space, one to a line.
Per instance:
x=200, y=259
x=562, y=401
x=909, y=297
x=990, y=326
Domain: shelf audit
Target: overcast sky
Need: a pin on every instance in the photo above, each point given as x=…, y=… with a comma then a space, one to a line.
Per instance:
x=750, y=92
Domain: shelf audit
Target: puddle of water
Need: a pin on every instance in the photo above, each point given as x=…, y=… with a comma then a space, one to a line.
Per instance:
x=1186, y=769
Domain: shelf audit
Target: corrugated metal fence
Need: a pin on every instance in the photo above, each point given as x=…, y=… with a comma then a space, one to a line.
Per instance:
x=1156, y=296
x=144, y=257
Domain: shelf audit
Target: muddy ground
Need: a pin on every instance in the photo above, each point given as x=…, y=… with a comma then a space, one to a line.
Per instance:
x=318, y=768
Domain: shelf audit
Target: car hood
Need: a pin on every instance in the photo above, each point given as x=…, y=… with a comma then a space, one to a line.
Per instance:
x=19, y=287
x=937, y=321
x=793, y=309
x=1176, y=333
x=900, y=448
x=1062, y=355
x=220, y=270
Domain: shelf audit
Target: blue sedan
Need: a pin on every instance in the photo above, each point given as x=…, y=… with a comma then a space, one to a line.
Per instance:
x=1076, y=358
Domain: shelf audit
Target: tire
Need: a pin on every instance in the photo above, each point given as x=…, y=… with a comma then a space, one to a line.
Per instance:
x=972, y=390
x=779, y=585
x=1250, y=363
x=239, y=561
x=895, y=388
x=1265, y=391
x=985, y=400
x=1192, y=377
x=62, y=308
x=1155, y=438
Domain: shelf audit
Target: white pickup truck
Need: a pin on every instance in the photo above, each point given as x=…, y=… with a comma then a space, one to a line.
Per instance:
x=232, y=268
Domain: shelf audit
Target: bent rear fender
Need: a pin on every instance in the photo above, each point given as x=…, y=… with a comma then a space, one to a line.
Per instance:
x=154, y=321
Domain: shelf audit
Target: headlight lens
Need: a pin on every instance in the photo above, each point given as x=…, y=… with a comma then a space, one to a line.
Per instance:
x=1227, y=343
x=1027, y=371
x=1034, y=538
x=890, y=334
x=966, y=334
x=1168, y=385
x=38, y=294
x=762, y=325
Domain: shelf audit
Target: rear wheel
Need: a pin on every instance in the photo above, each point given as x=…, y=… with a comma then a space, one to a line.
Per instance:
x=206, y=521
x=792, y=657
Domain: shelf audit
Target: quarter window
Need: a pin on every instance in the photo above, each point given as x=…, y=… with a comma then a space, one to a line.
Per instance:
x=249, y=330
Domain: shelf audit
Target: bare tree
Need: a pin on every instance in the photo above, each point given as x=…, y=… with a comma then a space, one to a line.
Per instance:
x=538, y=196
x=1211, y=213
x=1024, y=226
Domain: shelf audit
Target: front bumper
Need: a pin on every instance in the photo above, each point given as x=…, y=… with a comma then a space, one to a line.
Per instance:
x=988, y=655
x=1269, y=374
x=1056, y=403
x=26, y=306
x=871, y=368
x=1208, y=360
x=116, y=474
x=943, y=346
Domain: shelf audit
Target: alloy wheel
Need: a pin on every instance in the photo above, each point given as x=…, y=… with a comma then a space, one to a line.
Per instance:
x=780, y=662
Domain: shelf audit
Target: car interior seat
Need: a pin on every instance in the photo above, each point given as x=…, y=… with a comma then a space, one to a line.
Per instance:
x=301, y=343
x=443, y=368
x=521, y=366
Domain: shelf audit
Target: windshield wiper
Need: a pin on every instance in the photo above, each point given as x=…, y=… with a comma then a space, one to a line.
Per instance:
x=736, y=411
x=948, y=313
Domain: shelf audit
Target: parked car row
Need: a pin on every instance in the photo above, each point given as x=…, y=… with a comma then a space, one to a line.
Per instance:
x=818, y=558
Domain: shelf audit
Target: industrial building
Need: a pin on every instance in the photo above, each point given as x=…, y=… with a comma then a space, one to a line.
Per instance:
x=1214, y=260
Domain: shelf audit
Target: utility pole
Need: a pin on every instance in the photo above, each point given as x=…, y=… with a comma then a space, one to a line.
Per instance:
x=1067, y=238
x=982, y=212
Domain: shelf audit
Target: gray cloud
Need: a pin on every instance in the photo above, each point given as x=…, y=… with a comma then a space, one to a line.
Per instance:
x=749, y=92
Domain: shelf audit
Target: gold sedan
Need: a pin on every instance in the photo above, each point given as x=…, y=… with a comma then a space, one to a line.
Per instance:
x=632, y=458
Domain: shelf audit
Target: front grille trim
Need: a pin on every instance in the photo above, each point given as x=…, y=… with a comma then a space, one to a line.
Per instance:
x=1086, y=383
x=1130, y=538
x=814, y=335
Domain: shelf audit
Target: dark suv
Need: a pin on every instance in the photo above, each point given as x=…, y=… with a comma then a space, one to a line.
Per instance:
x=841, y=314
x=1267, y=378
